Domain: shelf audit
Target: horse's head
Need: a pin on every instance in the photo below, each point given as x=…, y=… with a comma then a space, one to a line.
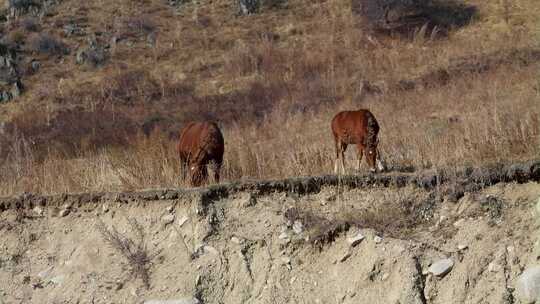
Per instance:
x=374, y=158
x=198, y=174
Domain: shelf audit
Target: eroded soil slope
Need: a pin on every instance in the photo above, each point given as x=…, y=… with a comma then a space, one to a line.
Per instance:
x=271, y=245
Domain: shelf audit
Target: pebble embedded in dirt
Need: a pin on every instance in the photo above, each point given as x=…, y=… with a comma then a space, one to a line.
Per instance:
x=355, y=239
x=167, y=219
x=38, y=210
x=528, y=285
x=441, y=267
x=462, y=247
x=175, y=301
x=182, y=220
x=298, y=227
x=377, y=239
x=64, y=212
x=236, y=240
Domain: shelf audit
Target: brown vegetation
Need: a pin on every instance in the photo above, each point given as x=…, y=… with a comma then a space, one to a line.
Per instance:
x=273, y=81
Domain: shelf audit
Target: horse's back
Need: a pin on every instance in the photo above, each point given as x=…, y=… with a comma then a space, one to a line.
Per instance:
x=352, y=126
x=197, y=136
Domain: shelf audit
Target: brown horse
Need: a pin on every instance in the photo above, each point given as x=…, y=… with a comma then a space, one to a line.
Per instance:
x=360, y=128
x=201, y=143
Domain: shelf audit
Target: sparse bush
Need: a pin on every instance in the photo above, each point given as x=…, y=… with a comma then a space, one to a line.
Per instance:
x=130, y=87
x=30, y=24
x=48, y=44
x=16, y=37
x=132, y=249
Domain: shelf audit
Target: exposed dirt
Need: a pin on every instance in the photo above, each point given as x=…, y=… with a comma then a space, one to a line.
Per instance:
x=277, y=242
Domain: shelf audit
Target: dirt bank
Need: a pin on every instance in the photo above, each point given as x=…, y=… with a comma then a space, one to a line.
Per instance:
x=278, y=241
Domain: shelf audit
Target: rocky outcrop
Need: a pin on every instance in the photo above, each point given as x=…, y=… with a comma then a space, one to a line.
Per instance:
x=10, y=83
x=248, y=7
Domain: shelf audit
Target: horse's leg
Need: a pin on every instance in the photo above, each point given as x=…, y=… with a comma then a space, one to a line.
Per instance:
x=360, y=155
x=343, y=149
x=336, y=162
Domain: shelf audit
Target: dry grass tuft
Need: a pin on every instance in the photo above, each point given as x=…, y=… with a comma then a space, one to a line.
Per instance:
x=133, y=250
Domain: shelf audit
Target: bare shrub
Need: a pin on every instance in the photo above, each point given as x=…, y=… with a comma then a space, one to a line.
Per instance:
x=47, y=44
x=30, y=24
x=129, y=87
x=132, y=249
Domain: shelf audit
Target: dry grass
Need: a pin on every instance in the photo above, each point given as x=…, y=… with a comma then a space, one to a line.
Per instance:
x=132, y=249
x=273, y=81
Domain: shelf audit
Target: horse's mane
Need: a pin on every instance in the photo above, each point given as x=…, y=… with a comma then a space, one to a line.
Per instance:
x=372, y=130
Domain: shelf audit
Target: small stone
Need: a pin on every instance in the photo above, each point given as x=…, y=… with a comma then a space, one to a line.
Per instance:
x=236, y=240
x=167, y=219
x=528, y=285
x=441, y=267
x=182, y=220
x=285, y=260
x=58, y=280
x=175, y=301
x=298, y=227
x=462, y=247
x=459, y=222
x=105, y=208
x=64, y=212
x=283, y=236
x=38, y=210
x=384, y=277
x=355, y=239
x=170, y=209
x=377, y=239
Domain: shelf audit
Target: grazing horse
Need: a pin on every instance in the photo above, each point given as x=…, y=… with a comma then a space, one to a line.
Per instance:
x=360, y=128
x=201, y=143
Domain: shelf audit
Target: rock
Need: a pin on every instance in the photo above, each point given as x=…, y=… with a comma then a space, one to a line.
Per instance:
x=94, y=54
x=298, y=227
x=283, y=236
x=248, y=7
x=236, y=240
x=528, y=285
x=167, y=219
x=38, y=210
x=45, y=273
x=459, y=222
x=73, y=29
x=286, y=261
x=175, y=301
x=441, y=267
x=355, y=239
x=377, y=239
x=58, y=280
x=64, y=212
x=462, y=247
x=182, y=220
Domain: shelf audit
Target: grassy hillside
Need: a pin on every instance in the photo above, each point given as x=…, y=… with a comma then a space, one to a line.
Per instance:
x=272, y=80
